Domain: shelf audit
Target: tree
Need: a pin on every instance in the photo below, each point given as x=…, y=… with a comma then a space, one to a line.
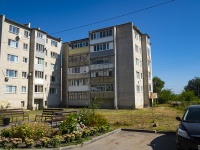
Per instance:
x=158, y=84
x=193, y=85
x=165, y=95
x=187, y=96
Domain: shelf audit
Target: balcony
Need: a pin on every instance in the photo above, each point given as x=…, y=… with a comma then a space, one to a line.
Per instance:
x=78, y=63
x=38, y=95
x=79, y=50
x=78, y=88
x=101, y=66
x=101, y=40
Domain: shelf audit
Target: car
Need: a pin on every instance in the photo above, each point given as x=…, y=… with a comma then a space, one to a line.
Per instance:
x=188, y=132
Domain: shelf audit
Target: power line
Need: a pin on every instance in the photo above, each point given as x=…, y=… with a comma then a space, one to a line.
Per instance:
x=133, y=12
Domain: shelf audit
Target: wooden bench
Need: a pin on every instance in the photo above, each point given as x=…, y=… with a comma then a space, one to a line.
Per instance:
x=53, y=115
x=13, y=113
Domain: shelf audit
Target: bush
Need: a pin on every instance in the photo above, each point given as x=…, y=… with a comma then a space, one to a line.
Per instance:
x=69, y=124
x=28, y=130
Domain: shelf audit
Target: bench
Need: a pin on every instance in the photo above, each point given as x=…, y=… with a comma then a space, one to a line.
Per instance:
x=53, y=116
x=13, y=113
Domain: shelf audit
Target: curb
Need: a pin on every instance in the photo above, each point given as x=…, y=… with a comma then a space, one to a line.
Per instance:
x=138, y=130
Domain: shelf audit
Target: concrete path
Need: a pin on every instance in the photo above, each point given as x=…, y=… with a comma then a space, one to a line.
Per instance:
x=127, y=140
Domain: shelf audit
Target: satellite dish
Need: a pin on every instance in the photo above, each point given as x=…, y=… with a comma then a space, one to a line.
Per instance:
x=6, y=79
x=17, y=38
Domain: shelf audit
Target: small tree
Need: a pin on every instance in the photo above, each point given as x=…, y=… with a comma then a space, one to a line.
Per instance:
x=193, y=85
x=187, y=95
x=158, y=84
x=165, y=96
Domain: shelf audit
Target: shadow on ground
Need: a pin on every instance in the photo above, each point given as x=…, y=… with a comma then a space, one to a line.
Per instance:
x=164, y=142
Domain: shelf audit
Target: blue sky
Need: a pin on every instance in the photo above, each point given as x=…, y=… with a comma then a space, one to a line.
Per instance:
x=174, y=28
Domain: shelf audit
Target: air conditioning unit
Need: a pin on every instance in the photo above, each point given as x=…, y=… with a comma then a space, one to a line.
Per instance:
x=17, y=38
x=6, y=79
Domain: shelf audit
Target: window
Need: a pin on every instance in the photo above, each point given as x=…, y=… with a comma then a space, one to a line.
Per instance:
x=101, y=34
x=137, y=62
x=148, y=52
x=23, y=89
x=25, y=33
x=149, y=74
x=45, y=77
x=53, y=43
x=39, y=61
x=53, y=91
x=102, y=87
x=25, y=46
x=100, y=47
x=11, y=89
x=38, y=88
x=136, y=35
x=78, y=95
x=141, y=89
x=25, y=60
x=141, y=76
x=53, y=66
x=53, y=78
x=39, y=47
x=138, y=88
x=78, y=82
x=12, y=43
x=39, y=35
x=136, y=48
x=39, y=74
x=149, y=63
x=137, y=75
x=54, y=55
x=11, y=73
x=149, y=88
x=12, y=58
x=23, y=74
x=46, y=40
x=14, y=29
x=45, y=64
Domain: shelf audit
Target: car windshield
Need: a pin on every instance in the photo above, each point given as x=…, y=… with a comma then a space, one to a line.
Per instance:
x=192, y=115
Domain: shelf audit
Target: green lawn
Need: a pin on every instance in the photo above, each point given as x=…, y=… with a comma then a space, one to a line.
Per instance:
x=164, y=116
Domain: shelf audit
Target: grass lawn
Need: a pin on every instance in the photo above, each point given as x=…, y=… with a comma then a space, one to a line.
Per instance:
x=163, y=115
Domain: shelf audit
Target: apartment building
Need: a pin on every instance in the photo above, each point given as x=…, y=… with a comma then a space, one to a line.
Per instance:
x=76, y=75
x=120, y=68
x=30, y=66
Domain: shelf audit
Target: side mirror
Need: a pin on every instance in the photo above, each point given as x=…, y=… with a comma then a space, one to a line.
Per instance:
x=178, y=118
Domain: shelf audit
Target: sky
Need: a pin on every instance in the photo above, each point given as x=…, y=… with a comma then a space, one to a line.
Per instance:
x=174, y=28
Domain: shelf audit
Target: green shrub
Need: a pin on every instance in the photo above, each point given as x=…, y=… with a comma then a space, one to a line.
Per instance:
x=69, y=124
x=28, y=130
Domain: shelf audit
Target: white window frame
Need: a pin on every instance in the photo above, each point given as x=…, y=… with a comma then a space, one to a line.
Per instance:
x=14, y=29
x=14, y=57
x=23, y=90
x=39, y=61
x=39, y=35
x=26, y=33
x=25, y=46
x=25, y=60
x=13, y=43
x=11, y=89
x=24, y=74
x=9, y=72
x=38, y=89
x=54, y=43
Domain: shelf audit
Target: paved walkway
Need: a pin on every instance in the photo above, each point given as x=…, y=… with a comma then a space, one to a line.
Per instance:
x=127, y=140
